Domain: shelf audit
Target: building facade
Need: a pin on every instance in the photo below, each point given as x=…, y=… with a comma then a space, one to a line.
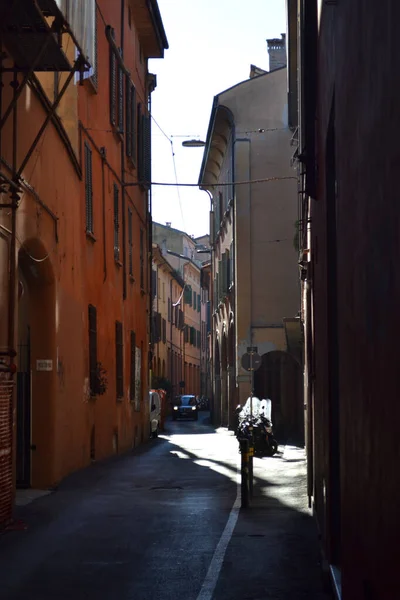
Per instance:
x=246, y=167
x=168, y=325
x=74, y=267
x=181, y=251
x=348, y=92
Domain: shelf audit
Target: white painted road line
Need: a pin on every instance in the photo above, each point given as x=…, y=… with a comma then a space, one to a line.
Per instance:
x=208, y=587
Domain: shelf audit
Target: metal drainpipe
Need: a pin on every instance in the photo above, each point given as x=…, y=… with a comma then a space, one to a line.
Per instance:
x=103, y=184
x=184, y=332
x=149, y=222
x=14, y=201
x=158, y=312
x=123, y=204
x=170, y=339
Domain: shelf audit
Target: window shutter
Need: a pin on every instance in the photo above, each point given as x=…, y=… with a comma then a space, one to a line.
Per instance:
x=133, y=123
x=158, y=327
x=92, y=314
x=113, y=85
x=119, y=360
x=154, y=283
x=140, y=165
x=130, y=241
x=181, y=320
x=128, y=117
x=142, y=259
x=120, y=98
x=198, y=303
x=224, y=275
x=88, y=189
x=169, y=310
x=164, y=331
x=147, y=148
x=133, y=367
x=153, y=332
x=116, y=222
x=194, y=300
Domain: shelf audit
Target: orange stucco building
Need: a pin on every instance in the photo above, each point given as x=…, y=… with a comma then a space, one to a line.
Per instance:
x=78, y=311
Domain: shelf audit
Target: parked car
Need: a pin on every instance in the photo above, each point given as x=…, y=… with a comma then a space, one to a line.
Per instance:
x=155, y=413
x=185, y=406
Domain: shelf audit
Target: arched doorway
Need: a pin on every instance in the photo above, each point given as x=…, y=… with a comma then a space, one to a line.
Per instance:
x=37, y=368
x=280, y=379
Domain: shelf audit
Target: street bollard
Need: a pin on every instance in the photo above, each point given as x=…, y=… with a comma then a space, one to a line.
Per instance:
x=245, y=491
x=251, y=454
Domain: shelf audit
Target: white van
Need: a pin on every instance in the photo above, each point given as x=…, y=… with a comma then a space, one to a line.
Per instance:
x=155, y=413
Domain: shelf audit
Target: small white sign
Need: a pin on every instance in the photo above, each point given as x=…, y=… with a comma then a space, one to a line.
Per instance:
x=44, y=365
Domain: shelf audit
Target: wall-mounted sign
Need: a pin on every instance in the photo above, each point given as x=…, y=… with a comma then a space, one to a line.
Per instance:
x=44, y=365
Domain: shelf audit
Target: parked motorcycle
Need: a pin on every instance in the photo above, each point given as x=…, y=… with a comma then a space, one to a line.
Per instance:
x=255, y=425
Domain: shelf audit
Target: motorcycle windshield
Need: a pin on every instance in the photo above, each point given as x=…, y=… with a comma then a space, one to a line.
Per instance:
x=252, y=406
x=266, y=408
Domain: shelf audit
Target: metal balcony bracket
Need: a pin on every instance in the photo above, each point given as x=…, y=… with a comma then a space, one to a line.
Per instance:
x=80, y=61
x=23, y=83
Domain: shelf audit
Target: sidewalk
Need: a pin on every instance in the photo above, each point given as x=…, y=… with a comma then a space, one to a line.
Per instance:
x=273, y=552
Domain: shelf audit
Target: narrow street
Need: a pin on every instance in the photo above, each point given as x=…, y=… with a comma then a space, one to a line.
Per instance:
x=162, y=523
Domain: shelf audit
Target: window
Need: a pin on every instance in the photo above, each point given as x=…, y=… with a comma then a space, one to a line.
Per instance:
x=120, y=98
x=130, y=241
x=164, y=331
x=177, y=323
x=92, y=313
x=188, y=295
x=157, y=328
x=194, y=300
x=198, y=335
x=116, y=222
x=133, y=367
x=88, y=189
x=163, y=291
x=82, y=18
x=218, y=211
x=113, y=85
x=198, y=303
x=119, y=360
x=116, y=90
x=130, y=120
x=93, y=72
x=142, y=259
x=144, y=147
x=169, y=310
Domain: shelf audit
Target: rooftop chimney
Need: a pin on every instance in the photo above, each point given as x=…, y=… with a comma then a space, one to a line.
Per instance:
x=168, y=223
x=277, y=52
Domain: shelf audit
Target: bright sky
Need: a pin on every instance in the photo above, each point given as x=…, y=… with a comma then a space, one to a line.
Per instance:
x=212, y=44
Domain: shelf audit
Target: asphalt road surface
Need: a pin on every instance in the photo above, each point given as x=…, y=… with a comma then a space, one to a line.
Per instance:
x=163, y=522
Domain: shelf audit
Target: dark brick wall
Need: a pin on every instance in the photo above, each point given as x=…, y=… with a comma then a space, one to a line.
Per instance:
x=359, y=69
